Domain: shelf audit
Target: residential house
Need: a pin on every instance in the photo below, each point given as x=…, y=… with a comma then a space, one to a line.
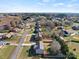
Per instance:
x=39, y=48
x=8, y=21
x=75, y=27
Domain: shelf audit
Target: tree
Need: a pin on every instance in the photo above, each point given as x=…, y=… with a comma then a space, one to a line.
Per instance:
x=64, y=47
x=55, y=47
x=13, y=24
x=50, y=24
x=61, y=15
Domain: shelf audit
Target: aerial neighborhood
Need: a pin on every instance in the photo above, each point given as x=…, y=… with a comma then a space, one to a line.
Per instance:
x=39, y=36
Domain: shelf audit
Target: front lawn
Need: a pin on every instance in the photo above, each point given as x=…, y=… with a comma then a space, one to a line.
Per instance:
x=4, y=31
x=24, y=53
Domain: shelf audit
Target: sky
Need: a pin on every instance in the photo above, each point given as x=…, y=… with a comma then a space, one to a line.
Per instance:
x=61, y=6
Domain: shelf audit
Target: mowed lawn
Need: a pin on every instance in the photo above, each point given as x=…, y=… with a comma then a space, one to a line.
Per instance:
x=24, y=53
x=6, y=51
x=72, y=46
x=67, y=27
x=76, y=37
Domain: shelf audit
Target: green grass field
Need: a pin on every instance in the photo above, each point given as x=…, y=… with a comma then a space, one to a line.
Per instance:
x=6, y=51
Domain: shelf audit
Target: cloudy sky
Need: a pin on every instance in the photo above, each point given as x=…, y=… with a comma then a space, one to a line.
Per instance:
x=39, y=6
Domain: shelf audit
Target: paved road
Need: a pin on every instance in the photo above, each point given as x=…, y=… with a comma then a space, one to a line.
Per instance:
x=16, y=51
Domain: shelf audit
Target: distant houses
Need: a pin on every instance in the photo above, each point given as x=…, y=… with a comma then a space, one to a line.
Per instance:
x=9, y=35
x=75, y=27
x=15, y=30
x=9, y=21
x=2, y=35
x=6, y=35
x=38, y=48
x=75, y=19
x=4, y=26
